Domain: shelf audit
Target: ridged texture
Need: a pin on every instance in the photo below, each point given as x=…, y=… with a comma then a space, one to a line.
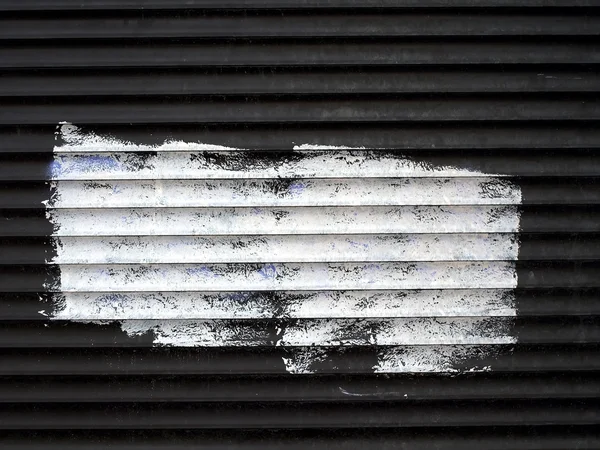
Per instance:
x=314, y=224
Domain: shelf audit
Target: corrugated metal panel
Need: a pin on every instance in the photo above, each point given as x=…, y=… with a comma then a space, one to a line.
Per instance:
x=318, y=224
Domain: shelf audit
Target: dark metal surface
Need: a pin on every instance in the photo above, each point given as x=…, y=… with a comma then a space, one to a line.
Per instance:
x=298, y=53
x=75, y=5
x=501, y=86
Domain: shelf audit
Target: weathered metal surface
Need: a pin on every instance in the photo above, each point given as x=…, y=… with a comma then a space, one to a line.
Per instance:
x=337, y=224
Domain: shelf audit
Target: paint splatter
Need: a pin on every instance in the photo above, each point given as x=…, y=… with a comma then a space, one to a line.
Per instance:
x=324, y=251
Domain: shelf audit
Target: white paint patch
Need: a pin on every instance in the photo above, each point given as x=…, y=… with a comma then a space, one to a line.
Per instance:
x=301, y=220
x=87, y=156
x=289, y=276
x=343, y=246
x=404, y=359
x=94, y=306
x=440, y=358
x=74, y=140
x=247, y=165
x=328, y=333
x=286, y=248
x=284, y=193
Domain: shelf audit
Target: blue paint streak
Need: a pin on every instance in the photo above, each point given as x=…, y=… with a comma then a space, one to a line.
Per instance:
x=268, y=272
x=82, y=164
x=296, y=188
x=55, y=169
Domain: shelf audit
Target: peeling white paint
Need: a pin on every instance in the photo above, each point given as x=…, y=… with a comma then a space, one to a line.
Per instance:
x=350, y=246
x=289, y=276
x=327, y=333
x=440, y=358
x=74, y=140
x=87, y=156
x=222, y=165
x=282, y=193
x=301, y=220
x=285, y=248
x=94, y=306
x=404, y=359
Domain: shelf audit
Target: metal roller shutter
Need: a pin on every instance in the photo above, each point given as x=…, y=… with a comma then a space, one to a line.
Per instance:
x=324, y=224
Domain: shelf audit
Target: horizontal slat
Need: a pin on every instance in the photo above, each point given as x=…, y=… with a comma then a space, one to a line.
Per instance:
x=297, y=192
x=267, y=277
x=91, y=160
x=554, y=164
x=419, y=332
x=254, y=305
x=189, y=111
x=300, y=25
x=286, y=248
x=557, y=302
x=558, y=247
x=265, y=360
x=491, y=438
x=280, y=54
x=298, y=388
x=289, y=276
x=289, y=304
x=296, y=333
x=298, y=415
x=301, y=220
x=533, y=219
x=424, y=438
x=98, y=305
x=60, y=5
x=307, y=248
x=469, y=141
x=264, y=277
x=559, y=191
x=90, y=306
x=98, y=82
x=294, y=248
x=278, y=192
x=423, y=333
